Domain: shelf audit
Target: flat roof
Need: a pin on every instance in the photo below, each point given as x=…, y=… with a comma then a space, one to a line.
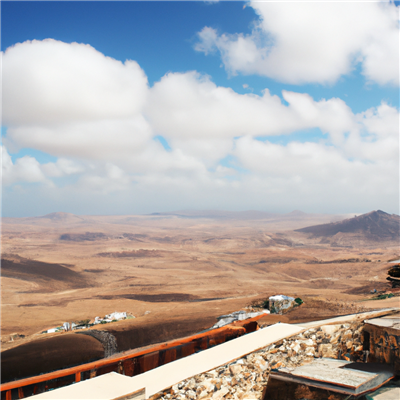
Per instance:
x=337, y=375
x=393, y=323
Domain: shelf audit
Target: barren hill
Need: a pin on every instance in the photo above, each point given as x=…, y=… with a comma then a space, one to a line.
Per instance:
x=375, y=226
x=218, y=214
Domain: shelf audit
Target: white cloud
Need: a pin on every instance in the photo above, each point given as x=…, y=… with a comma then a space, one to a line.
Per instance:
x=97, y=139
x=300, y=42
x=190, y=108
x=62, y=167
x=105, y=179
x=54, y=82
x=110, y=148
x=25, y=169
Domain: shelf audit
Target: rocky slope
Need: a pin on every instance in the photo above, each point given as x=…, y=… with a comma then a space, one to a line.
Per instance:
x=374, y=226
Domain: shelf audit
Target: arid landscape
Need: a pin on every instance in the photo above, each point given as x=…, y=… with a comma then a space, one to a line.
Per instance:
x=176, y=272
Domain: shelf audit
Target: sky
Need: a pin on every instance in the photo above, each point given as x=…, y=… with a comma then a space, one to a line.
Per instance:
x=132, y=107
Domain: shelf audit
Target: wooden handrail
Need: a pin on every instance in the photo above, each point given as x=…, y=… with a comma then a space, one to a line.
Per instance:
x=127, y=355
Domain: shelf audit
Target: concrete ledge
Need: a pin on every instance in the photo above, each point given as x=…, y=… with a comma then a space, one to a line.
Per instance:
x=111, y=386
x=350, y=318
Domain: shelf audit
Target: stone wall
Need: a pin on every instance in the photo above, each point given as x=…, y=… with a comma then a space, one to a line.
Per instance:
x=383, y=345
x=105, y=338
x=246, y=378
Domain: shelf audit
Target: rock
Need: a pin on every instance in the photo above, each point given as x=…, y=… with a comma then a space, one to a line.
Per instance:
x=192, y=383
x=218, y=395
x=261, y=364
x=308, y=342
x=249, y=396
x=327, y=351
x=320, y=335
x=203, y=394
x=348, y=334
x=279, y=364
x=282, y=349
x=309, y=332
x=208, y=385
x=330, y=329
x=296, y=348
x=336, y=337
x=218, y=385
x=310, y=351
x=349, y=344
x=235, y=369
x=175, y=388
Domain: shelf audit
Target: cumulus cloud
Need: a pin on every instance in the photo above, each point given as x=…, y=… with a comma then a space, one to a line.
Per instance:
x=25, y=169
x=54, y=82
x=301, y=42
x=221, y=142
x=97, y=139
x=202, y=119
x=62, y=167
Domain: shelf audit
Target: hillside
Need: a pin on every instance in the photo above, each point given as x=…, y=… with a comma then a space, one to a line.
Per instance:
x=374, y=226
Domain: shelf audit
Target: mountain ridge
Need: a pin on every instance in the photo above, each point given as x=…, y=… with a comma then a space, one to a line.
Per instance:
x=374, y=225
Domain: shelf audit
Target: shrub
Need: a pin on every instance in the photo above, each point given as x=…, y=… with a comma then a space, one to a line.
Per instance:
x=83, y=322
x=383, y=296
x=260, y=303
x=298, y=300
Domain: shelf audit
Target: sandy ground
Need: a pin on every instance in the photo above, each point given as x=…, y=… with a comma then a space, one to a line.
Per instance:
x=70, y=268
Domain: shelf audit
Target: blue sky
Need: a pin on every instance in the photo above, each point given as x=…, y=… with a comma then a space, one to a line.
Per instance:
x=224, y=105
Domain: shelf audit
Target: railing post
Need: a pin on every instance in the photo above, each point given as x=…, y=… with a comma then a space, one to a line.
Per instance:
x=78, y=377
x=8, y=395
x=20, y=393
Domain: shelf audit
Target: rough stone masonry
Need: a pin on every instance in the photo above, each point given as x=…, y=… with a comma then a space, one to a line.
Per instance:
x=246, y=378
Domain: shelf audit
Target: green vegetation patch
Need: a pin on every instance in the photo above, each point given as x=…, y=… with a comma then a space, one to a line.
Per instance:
x=383, y=296
x=298, y=300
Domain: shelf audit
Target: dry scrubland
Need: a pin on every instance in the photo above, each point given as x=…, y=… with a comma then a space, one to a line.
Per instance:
x=185, y=268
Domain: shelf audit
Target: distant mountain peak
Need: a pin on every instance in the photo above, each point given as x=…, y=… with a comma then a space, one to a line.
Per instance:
x=296, y=213
x=378, y=212
x=59, y=216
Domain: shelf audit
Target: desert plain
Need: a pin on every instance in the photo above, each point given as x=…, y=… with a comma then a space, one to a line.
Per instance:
x=177, y=272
